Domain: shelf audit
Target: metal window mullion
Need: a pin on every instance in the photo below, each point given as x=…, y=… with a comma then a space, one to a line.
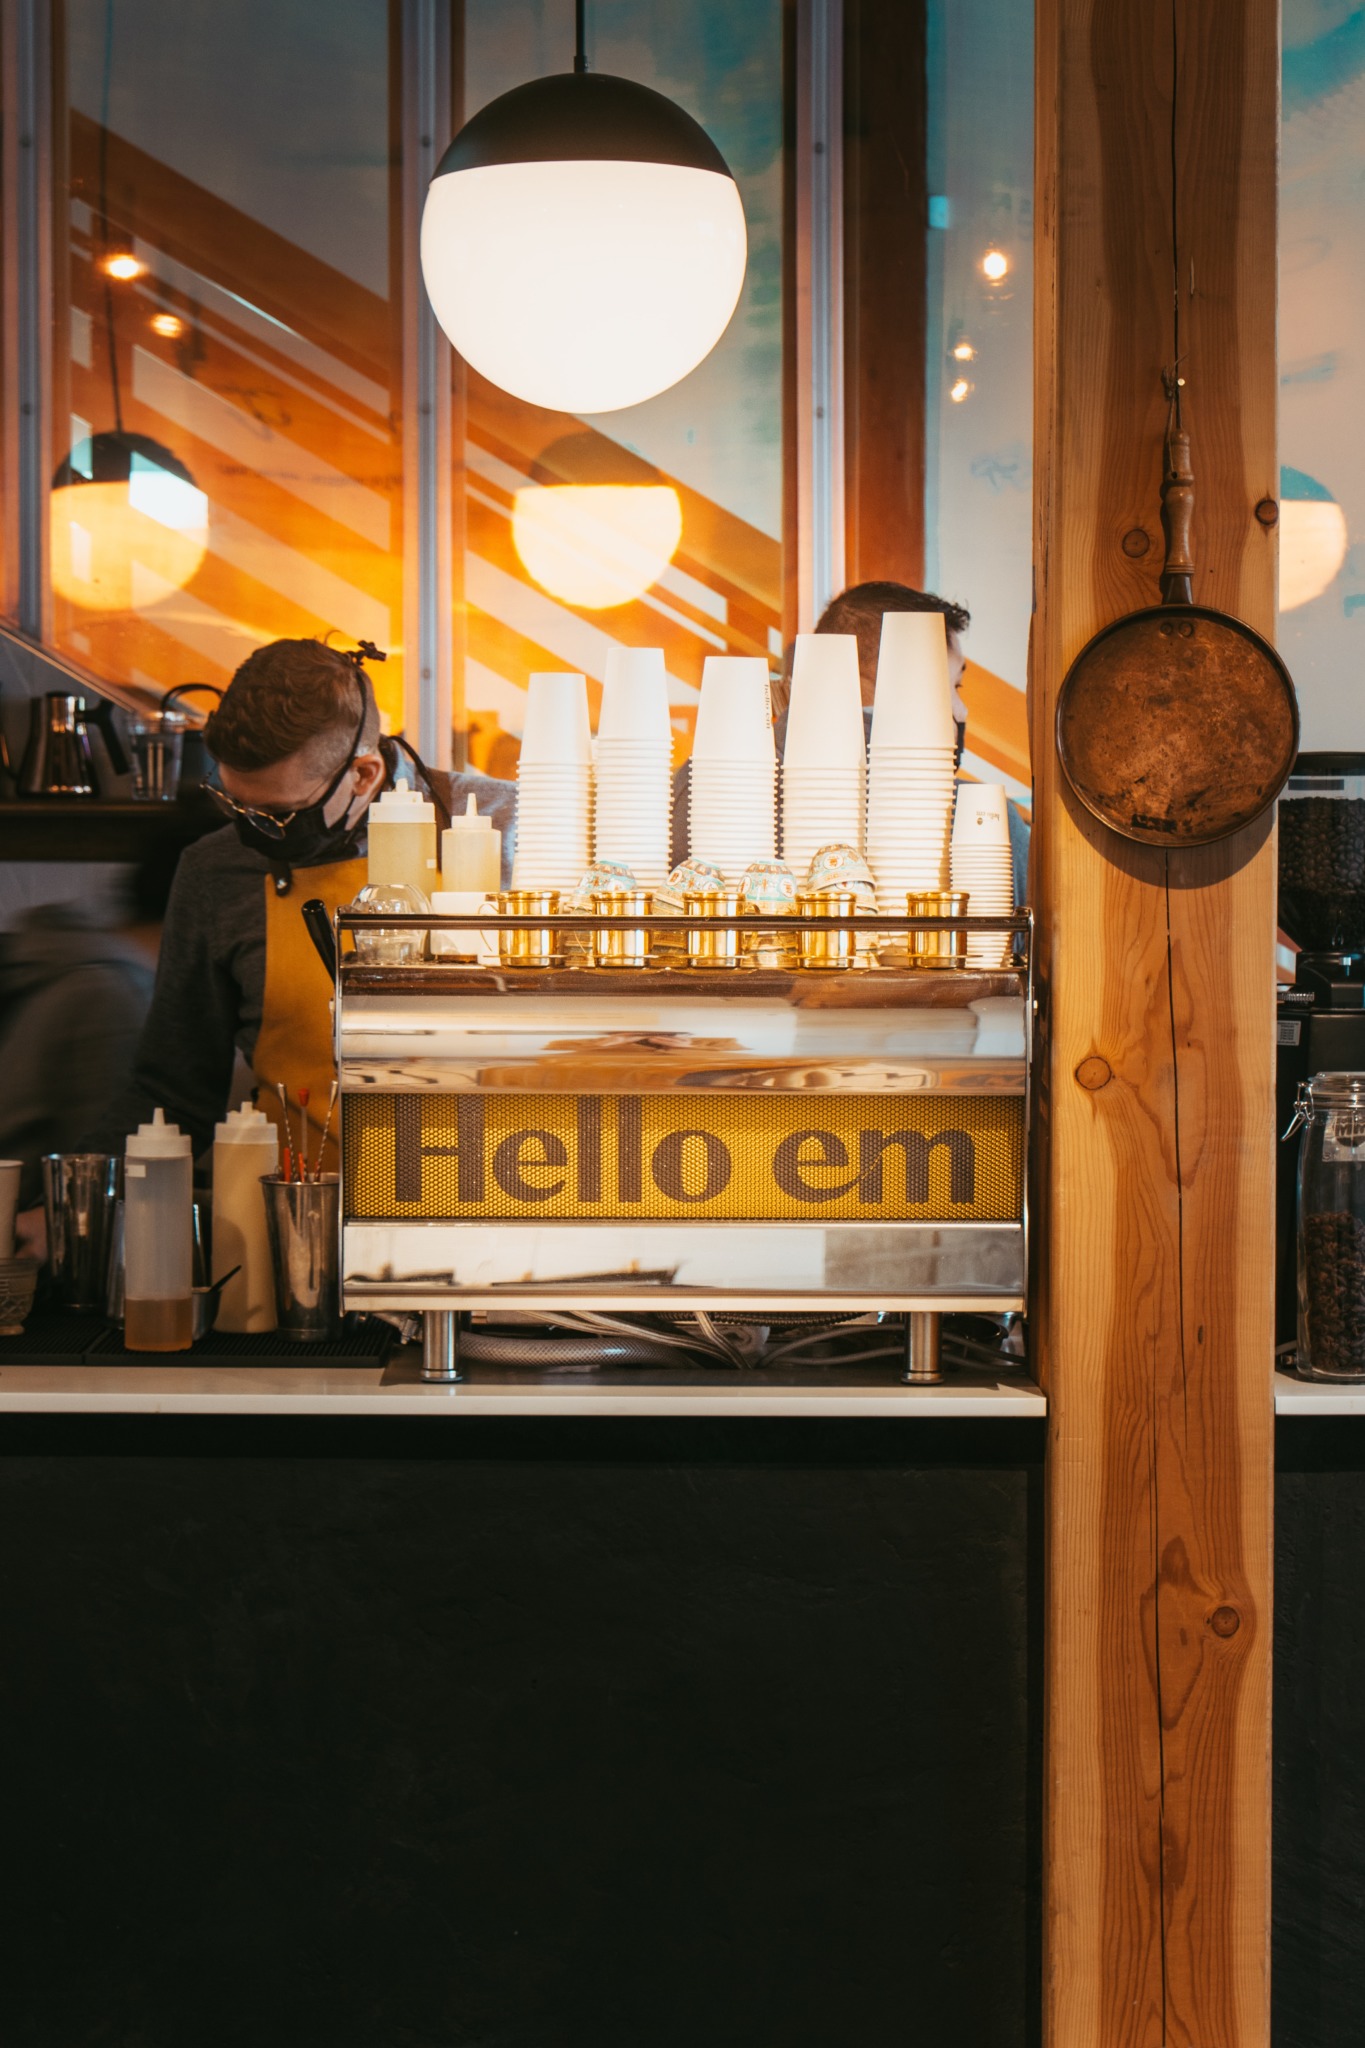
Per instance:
x=25, y=28
x=819, y=306
x=426, y=371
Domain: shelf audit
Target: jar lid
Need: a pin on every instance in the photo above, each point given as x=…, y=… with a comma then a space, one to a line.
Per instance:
x=1336, y=1091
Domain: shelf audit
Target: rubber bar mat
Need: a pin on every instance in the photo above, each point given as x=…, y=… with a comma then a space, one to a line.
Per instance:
x=52, y=1338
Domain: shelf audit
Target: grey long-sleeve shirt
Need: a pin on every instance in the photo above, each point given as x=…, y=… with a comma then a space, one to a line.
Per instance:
x=210, y=981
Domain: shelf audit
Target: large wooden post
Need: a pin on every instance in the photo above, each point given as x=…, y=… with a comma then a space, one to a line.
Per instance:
x=1156, y=190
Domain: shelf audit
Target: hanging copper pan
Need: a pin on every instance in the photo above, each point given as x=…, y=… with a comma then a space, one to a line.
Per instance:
x=1177, y=725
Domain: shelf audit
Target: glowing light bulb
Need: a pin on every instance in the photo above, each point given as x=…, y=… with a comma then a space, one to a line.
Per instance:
x=964, y=352
x=125, y=516
x=995, y=264
x=168, y=324
x=959, y=391
x=123, y=266
x=596, y=545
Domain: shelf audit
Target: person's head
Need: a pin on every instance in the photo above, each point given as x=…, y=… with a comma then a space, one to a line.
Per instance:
x=859, y=610
x=298, y=726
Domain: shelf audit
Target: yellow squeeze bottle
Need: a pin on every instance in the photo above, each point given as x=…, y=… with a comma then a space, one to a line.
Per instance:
x=402, y=840
x=471, y=854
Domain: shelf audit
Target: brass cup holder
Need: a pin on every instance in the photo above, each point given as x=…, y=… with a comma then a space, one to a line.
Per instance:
x=825, y=949
x=708, y=946
x=771, y=949
x=528, y=948
x=945, y=947
x=619, y=944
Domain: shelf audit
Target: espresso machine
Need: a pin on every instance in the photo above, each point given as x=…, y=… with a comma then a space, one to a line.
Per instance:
x=1320, y=1019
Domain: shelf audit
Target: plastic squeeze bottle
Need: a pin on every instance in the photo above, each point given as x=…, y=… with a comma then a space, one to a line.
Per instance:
x=158, y=1276
x=471, y=854
x=245, y=1145
x=402, y=840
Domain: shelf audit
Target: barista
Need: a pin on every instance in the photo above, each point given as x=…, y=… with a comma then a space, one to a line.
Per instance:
x=299, y=758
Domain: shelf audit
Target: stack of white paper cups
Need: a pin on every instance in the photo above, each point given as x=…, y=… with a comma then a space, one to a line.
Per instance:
x=982, y=865
x=910, y=762
x=732, y=818
x=634, y=765
x=554, y=785
x=824, y=767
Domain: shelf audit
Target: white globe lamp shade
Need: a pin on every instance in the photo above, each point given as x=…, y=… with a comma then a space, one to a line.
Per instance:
x=583, y=243
x=124, y=515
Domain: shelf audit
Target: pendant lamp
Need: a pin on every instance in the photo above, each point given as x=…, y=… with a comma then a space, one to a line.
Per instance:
x=583, y=241
x=595, y=525
x=127, y=523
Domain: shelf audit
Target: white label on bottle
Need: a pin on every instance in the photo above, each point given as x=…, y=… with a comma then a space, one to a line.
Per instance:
x=1343, y=1141
x=132, y=1171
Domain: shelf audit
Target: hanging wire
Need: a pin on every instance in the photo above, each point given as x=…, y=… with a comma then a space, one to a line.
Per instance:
x=580, y=57
x=104, y=210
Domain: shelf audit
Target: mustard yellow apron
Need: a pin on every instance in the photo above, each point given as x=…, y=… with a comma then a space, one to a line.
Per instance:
x=295, y=1043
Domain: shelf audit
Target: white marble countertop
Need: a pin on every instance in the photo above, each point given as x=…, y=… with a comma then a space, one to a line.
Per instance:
x=1294, y=1396
x=197, y=1389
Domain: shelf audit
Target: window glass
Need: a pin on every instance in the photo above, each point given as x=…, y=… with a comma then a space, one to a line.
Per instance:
x=979, y=358
x=682, y=546
x=225, y=383
x=1322, y=369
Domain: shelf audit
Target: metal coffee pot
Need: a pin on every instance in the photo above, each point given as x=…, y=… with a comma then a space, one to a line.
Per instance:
x=59, y=760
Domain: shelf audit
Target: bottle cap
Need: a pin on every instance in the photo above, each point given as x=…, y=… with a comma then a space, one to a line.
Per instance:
x=158, y=1140
x=402, y=807
x=245, y=1126
x=473, y=819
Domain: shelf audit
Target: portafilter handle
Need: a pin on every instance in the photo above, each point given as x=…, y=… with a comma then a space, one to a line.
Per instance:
x=319, y=923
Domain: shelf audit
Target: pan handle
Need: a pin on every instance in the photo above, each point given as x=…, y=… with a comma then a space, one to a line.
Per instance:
x=1177, y=519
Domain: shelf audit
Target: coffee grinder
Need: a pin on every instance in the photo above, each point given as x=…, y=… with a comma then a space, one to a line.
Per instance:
x=1320, y=1019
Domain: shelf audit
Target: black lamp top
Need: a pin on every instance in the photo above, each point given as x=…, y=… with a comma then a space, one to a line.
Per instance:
x=584, y=116
x=111, y=457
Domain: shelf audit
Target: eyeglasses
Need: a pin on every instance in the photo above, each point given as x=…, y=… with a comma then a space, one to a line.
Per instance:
x=270, y=824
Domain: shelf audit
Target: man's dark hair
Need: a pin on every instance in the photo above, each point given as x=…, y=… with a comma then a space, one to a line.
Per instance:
x=283, y=697
x=859, y=610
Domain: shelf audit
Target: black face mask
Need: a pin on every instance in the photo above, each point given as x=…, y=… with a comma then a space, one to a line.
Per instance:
x=306, y=841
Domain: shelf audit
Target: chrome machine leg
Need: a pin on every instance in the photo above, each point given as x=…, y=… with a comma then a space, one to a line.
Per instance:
x=922, y=1332
x=441, y=1345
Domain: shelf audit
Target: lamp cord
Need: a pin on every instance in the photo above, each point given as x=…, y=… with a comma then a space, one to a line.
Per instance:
x=580, y=58
x=104, y=210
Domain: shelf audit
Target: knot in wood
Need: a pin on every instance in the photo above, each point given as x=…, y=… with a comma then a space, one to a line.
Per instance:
x=1268, y=512
x=1136, y=543
x=1094, y=1072
x=1225, y=1621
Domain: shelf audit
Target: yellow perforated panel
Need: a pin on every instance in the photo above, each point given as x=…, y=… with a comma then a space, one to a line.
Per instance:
x=760, y=1158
